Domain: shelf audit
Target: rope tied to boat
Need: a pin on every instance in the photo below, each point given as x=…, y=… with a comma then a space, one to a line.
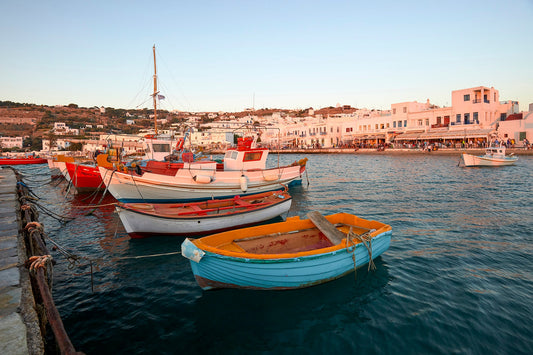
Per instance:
x=366, y=239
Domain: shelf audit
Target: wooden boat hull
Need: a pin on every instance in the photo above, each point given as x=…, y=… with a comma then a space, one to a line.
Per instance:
x=234, y=269
x=22, y=161
x=140, y=225
x=474, y=160
x=84, y=177
x=195, y=185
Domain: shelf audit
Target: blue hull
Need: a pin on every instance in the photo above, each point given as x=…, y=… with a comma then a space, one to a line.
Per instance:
x=219, y=271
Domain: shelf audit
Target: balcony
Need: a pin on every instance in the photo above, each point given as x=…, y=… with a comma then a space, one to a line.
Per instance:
x=478, y=101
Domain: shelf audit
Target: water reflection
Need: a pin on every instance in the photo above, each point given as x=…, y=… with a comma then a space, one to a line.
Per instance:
x=461, y=249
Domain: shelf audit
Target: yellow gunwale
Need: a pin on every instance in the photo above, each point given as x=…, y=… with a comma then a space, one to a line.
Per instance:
x=212, y=243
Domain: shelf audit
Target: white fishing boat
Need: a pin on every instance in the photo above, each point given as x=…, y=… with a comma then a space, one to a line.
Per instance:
x=193, y=218
x=243, y=172
x=494, y=156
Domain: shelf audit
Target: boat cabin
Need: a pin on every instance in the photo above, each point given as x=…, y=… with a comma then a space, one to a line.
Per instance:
x=495, y=151
x=157, y=149
x=244, y=157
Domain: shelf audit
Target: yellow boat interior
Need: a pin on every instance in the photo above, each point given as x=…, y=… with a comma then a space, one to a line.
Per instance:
x=292, y=238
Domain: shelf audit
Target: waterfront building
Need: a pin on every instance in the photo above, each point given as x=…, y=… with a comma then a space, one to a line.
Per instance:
x=476, y=117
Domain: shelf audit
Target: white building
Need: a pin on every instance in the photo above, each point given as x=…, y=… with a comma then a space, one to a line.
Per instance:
x=11, y=142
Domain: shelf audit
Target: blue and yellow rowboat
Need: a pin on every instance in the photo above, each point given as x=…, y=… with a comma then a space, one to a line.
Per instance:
x=293, y=254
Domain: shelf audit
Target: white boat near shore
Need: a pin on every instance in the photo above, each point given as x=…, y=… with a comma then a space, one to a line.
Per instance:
x=494, y=156
x=145, y=219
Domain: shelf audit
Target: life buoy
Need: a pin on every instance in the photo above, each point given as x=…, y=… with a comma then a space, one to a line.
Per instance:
x=179, y=144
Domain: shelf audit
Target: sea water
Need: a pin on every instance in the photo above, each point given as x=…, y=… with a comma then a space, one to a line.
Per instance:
x=457, y=278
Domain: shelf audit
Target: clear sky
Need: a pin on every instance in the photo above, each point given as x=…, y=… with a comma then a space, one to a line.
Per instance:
x=231, y=55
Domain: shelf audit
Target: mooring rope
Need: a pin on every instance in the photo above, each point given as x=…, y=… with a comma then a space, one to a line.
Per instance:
x=147, y=256
x=366, y=239
x=63, y=219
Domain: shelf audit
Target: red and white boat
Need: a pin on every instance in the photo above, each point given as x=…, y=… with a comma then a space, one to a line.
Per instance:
x=145, y=219
x=243, y=172
x=84, y=177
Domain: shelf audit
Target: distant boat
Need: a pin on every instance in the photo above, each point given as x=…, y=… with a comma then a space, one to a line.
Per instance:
x=494, y=156
x=144, y=219
x=293, y=254
x=21, y=161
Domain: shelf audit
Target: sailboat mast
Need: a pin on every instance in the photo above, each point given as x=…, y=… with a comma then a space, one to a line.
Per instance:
x=155, y=94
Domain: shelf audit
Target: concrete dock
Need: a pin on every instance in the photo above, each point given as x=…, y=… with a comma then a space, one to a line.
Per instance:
x=19, y=324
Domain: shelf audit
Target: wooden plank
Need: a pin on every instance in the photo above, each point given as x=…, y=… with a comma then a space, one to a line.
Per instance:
x=333, y=234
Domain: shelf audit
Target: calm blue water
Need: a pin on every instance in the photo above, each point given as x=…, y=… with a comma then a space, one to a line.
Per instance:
x=458, y=277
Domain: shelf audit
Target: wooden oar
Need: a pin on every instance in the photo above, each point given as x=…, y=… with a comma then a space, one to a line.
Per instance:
x=333, y=234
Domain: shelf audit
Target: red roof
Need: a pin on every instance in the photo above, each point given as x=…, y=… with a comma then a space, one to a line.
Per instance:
x=515, y=116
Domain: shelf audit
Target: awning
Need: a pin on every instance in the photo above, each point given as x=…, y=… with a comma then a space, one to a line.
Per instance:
x=455, y=134
x=368, y=136
x=407, y=136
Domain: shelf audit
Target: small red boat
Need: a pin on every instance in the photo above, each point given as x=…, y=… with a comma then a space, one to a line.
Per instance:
x=22, y=161
x=84, y=177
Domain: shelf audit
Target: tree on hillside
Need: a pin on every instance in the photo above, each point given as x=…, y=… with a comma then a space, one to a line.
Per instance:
x=75, y=147
x=33, y=143
x=52, y=138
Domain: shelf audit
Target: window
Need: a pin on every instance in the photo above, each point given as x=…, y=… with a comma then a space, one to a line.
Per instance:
x=427, y=121
x=231, y=155
x=161, y=148
x=467, y=97
x=458, y=118
x=388, y=125
x=467, y=118
x=376, y=126
x=419, y=122
x=393, y=111
x=405, y=123
x=393, y=124
x=404, y=109
x=399, y=124
x=475, y=118
x=439, y=120
x=250, y=156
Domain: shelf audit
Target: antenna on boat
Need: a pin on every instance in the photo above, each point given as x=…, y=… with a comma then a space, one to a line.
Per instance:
x=155, y=93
